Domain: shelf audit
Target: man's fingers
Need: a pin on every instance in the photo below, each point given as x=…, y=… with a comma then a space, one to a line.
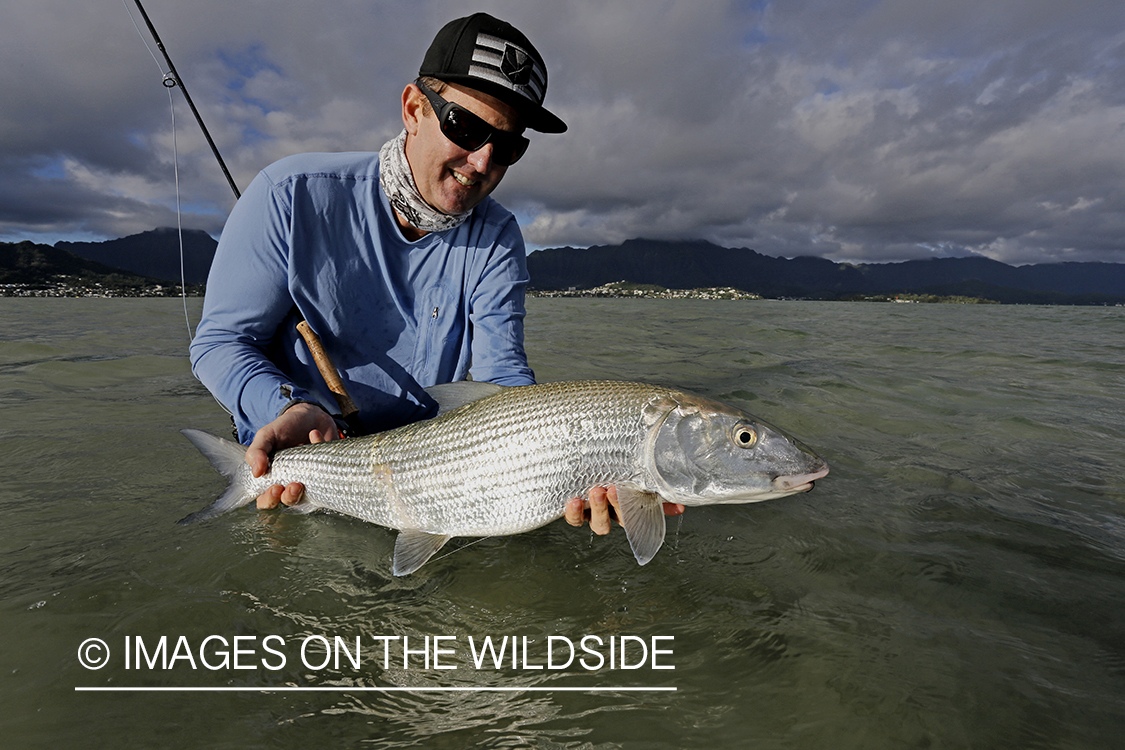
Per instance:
x=258, y=459
x=277, y=494
x=293, y=493
x=599, y=511
x=575, y=511
x=287, y=430
x=271, y=498
x=602, y=509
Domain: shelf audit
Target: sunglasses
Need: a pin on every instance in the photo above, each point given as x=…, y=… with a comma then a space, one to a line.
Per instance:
x=471, y=133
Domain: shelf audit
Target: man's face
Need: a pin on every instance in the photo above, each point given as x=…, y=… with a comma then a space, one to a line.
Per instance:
x=450, y=178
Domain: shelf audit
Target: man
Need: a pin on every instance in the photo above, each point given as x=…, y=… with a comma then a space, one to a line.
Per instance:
x=401, y=262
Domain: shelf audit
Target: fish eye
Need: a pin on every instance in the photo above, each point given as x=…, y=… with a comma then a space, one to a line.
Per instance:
x=744, y=436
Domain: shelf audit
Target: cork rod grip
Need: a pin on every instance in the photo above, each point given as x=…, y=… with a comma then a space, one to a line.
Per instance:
x=327, y=370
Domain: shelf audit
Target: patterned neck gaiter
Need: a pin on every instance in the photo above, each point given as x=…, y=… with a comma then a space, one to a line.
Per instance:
x=398, y=184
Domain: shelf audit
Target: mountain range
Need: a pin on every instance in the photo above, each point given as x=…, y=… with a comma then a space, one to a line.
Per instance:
x=671, y=264
x=155, y=253
x=27, y=264
x=699, y=264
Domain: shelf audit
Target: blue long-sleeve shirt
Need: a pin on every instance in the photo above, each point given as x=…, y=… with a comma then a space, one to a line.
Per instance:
x=314, y=236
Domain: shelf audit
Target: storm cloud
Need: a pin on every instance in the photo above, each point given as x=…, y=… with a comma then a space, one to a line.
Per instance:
x=853, y=130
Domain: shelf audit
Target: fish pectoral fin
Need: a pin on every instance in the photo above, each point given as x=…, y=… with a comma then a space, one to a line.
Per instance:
x=413, y=548
x=642, y=515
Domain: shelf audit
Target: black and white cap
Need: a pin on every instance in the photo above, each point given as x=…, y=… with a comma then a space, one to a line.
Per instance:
x=489, y=55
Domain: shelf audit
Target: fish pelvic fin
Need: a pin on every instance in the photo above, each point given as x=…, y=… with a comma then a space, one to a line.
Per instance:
x=642, y=515
x=227, y=458
x=413, y=548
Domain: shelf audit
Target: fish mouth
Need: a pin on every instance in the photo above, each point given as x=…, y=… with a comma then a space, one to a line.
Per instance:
x=798, y=482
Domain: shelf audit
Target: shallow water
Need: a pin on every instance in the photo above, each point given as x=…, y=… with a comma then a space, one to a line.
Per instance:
x=957, y=581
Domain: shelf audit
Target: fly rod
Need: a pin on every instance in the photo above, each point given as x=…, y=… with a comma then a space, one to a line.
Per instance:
x=324, y=364
x=171, y=81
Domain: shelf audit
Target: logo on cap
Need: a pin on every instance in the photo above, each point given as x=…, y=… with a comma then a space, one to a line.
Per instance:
x=516, y=65
x=509, y=65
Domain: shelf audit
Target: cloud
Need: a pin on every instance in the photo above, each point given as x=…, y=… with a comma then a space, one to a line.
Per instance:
x=862, y=131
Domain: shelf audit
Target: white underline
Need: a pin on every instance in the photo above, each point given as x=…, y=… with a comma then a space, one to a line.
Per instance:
x=333, y=689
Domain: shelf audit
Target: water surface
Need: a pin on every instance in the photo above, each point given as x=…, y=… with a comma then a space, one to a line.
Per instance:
x=957, y=581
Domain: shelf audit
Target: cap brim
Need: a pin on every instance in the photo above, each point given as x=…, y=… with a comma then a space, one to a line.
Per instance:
x=546, y=122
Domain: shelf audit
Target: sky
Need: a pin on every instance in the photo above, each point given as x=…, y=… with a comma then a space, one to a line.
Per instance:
x=855, y=130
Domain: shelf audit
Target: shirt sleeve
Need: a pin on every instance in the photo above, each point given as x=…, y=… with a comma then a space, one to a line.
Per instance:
x=247, y=299
x=497, y=314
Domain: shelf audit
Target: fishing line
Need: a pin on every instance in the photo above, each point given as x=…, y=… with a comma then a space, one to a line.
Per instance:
x=143, y=40
x=169, y=82
x=171, y=79
x=179, y=216
x=458, y=549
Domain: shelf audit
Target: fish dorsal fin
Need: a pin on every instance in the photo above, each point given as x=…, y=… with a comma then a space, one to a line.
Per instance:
x=642, y=515
x=413, y=548
x=450, y=396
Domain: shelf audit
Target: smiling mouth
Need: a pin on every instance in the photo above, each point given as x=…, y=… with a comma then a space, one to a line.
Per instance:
x=462, y=179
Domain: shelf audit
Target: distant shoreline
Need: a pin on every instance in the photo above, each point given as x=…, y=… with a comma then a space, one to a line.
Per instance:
x=616, y=290
x=646, y=291
x=69, y=289
x=628, y=290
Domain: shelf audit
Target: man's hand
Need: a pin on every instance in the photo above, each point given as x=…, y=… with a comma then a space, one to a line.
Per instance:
x=297, y=425
x=597, y=508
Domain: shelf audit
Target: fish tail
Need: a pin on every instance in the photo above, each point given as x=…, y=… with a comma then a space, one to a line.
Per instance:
x=227, y=458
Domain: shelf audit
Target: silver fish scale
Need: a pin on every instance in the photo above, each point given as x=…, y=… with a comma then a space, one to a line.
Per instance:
x=336, y=470
x=502, y=465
